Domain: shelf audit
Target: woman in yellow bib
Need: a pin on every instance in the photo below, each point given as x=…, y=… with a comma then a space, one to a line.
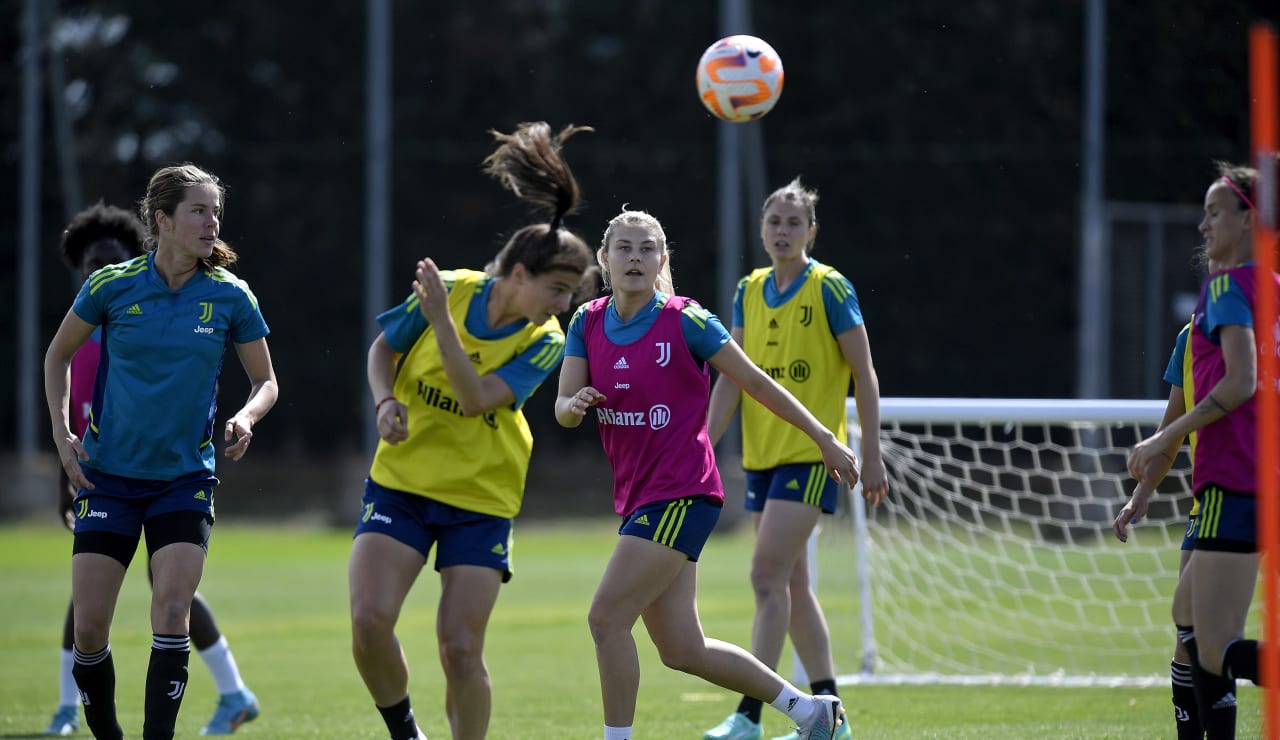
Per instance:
x=799, y=320
x=449, y=374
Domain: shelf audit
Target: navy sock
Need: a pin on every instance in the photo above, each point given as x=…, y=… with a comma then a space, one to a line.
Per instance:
x=166, y=685
x=95, y=676
x=1240, y=660
x=399, y=719
x=750, y=707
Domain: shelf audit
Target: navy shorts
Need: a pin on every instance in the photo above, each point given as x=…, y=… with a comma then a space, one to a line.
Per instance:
x=683, y=524
x=1228, y=520
x=461, y=537
x=120, y=505
x=807, y=482
x=1189, y=536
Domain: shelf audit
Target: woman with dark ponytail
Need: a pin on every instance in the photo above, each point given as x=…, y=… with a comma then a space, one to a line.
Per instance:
x=449, y=374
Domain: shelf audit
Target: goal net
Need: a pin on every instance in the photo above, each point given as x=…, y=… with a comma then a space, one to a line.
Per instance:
x=993, y=560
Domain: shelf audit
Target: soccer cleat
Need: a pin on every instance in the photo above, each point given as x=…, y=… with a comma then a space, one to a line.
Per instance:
x=842, y=733
x=233, y=710
x=736, y=726
x=824, y=723
x=65, y=721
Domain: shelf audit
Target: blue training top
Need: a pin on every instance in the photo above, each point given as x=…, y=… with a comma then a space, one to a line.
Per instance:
x=155, y=396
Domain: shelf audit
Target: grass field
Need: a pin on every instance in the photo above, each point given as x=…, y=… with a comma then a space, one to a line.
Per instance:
x=280, y=595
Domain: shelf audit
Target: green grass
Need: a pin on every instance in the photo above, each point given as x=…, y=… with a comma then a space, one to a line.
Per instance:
x=280, y=596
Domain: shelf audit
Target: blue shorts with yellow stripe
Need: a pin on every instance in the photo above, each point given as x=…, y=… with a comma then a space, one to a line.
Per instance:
x=805, y=482
x=1228, y=520
x=683, y=524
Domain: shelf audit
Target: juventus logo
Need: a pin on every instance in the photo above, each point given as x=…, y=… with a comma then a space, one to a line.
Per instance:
x=806, y=315
x=664, y=353
x=176, y=692
x=206, y=311
x=82, y=508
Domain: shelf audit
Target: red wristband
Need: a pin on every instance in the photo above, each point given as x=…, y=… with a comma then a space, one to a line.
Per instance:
x=378, y=406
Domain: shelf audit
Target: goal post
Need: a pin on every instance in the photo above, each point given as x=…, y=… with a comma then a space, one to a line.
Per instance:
x=993, y=560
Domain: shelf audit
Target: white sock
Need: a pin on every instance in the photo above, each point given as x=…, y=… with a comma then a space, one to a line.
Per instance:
x=68, y=692
x=617, y=733
x=222, y=665
x=792, y=703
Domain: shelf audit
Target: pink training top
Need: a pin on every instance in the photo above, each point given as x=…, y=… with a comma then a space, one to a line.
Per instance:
x=653, y=421
x=1226, y=449
x=84, y=373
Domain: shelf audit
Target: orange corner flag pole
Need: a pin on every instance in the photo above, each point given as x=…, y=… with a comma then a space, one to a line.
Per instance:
x=1265, y=124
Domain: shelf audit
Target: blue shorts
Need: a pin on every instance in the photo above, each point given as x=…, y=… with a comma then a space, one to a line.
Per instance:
x=1189, y=536
x=1228, y=520
x=121, y=505
x=462, y=537
x=807, y=482
x=683, y=524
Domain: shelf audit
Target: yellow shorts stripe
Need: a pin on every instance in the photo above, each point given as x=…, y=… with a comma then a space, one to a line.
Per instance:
x=1210, y=512
x=669, y=526
x=813, y=491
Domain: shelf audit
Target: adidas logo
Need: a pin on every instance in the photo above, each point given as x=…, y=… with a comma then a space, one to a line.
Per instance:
x=621, y=364
x=1228, y=700
x=773, y=323
x=643, y=521
x=134, y=310
x=200, y=496
x=499, y=549
x=475, y=357
x=794, y=485
x=792, y=704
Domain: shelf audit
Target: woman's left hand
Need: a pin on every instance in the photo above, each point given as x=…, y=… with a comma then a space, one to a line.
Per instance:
x=239, y=429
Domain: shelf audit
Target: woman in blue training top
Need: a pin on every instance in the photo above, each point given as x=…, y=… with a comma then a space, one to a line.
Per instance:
x=146, y=462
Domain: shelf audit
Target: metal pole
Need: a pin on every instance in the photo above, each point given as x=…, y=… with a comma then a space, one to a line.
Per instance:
x=377, y=204
x=1093, y=302
x=67, y=170
x=28, y=234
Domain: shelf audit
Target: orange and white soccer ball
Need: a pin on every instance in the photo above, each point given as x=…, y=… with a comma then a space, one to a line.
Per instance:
x=739, y=78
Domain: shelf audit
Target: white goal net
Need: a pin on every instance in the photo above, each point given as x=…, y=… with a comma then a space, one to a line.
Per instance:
x=993, y=560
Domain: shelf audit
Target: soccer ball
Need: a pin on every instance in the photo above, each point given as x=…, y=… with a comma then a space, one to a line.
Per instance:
x=739, y=78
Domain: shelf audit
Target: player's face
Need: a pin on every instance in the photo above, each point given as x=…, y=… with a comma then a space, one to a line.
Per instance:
x=193, y=226
x=100, y=254
x=634, y=257
x=548, y=294
x=1225, y=226
x=785, y=230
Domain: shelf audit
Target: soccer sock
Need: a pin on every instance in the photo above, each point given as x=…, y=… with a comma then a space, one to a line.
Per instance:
x=791, y=703
x=95, y=676
x=222, y=665
x=68, y=694
x=751, y=707
x=1240, y=660
x=824, y=688
x=617, y=733
x=399, y=719
x=1185, y=711
x=166, y=683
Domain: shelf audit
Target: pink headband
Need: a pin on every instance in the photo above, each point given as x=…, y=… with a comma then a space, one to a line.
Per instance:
x=1239, y=192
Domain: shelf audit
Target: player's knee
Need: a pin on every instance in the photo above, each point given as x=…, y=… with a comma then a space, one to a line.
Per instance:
x=680, y=656
x=370, y=623
x=462, y=655
x=769, y=579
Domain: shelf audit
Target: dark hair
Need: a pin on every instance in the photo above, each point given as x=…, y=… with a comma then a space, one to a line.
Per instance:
x=1242, y=179
x=165, y=191
x=528, y=162
x=797, y=193
x=101, y=222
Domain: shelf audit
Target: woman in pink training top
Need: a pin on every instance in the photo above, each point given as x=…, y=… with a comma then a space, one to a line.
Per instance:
x=641, y=357
x=1223, y=569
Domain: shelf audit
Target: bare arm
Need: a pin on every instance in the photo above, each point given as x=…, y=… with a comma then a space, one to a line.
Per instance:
x=574, y=396
x=1236, y=386
x=730, y=360
x=856, y=348
x=476, y=394
x=255, y=357
x=1158, y=468
x=72, y=333
x=726, y=396
x=392, y=415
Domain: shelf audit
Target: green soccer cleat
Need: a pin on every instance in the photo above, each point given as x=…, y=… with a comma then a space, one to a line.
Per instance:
x=842, y=733
x=735, y=727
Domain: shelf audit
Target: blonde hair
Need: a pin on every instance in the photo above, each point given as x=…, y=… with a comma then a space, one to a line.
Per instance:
x=665, y=282
x=165, y=192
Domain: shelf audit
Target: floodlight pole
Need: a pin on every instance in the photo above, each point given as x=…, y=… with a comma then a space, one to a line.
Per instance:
x=28, y=234
x=1094, y=297
x=377, y=204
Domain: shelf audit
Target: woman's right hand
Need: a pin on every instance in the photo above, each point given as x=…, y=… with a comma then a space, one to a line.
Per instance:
x=71, y=453
x=393, y=422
